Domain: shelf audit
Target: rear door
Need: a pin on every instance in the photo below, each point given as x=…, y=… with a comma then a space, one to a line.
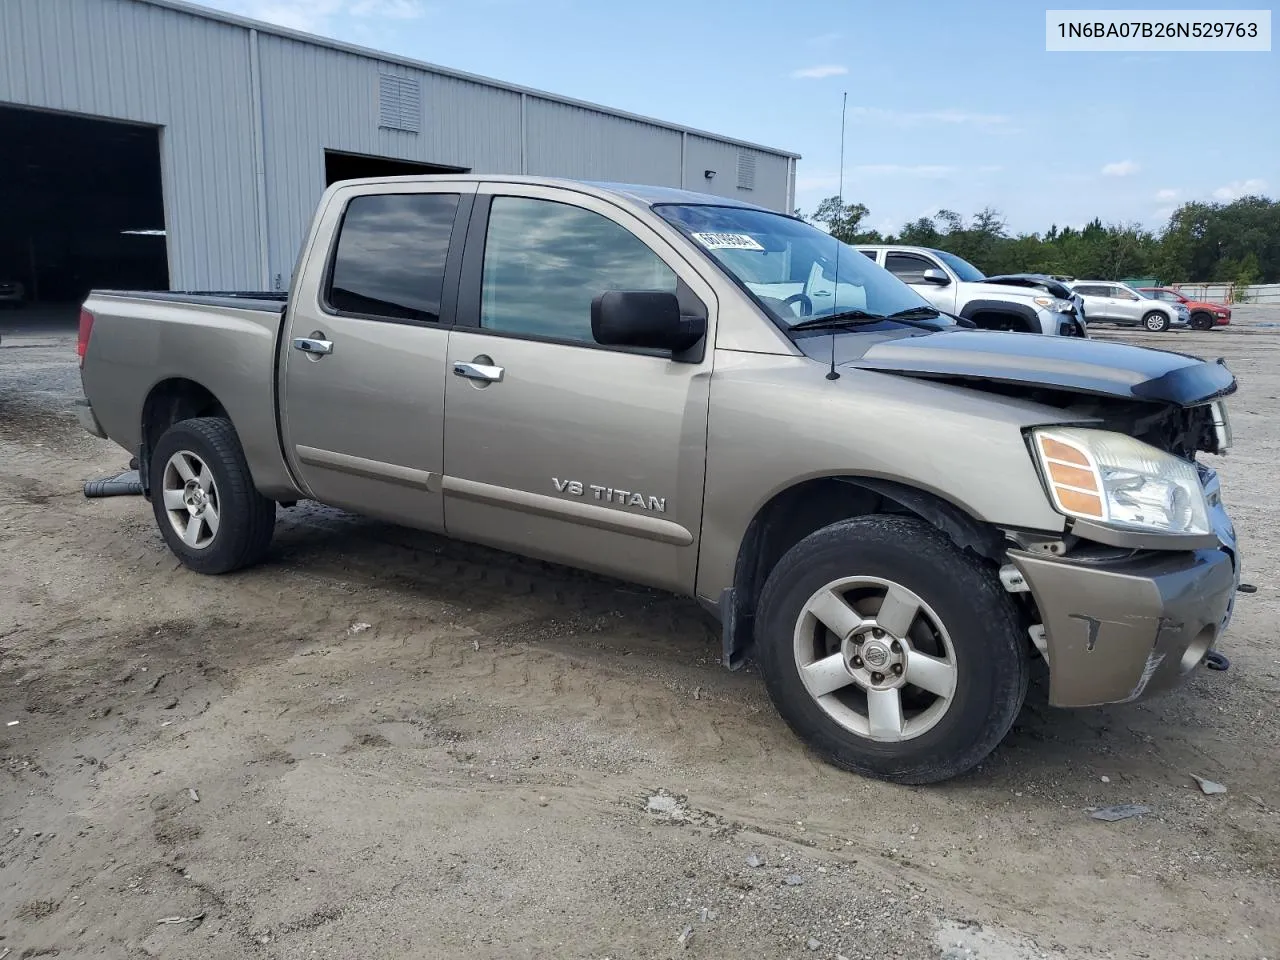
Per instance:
x=1097, y=304
x=555, y=446
x=363, y=384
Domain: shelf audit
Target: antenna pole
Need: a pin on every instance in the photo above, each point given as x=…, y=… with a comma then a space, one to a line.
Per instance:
x=832, y=373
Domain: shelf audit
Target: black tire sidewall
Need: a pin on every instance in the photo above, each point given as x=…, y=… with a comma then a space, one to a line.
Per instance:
x=1202, y=321
x=991, y=655
x=1164, y=322
x=241, y=510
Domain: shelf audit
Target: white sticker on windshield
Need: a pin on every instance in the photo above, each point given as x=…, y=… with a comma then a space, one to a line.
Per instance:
x=727, y=241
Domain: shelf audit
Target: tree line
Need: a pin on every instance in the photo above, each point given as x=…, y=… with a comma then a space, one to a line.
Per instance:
x=1236, y=242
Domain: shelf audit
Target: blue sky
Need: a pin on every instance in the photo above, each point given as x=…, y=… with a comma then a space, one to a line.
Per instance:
x=955, y=106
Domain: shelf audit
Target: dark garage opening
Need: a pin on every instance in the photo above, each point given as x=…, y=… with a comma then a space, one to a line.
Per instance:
x=353, y=166
x=81, y=206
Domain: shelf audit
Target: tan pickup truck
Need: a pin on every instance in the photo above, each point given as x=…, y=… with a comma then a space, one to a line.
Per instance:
x=891, y=513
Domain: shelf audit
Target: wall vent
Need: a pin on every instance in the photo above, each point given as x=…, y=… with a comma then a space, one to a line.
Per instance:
x=746, y=171
x=399, y=103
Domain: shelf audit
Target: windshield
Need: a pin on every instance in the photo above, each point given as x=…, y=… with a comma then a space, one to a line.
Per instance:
x=789, y=265
x=962, y=268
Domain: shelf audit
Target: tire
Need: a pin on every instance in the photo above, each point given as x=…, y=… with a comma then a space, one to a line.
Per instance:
x=1202, y=321
x=966, y=619
x=1156, y=322
x=205, y=504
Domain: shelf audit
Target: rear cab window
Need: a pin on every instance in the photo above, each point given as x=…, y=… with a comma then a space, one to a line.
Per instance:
x=389, y=259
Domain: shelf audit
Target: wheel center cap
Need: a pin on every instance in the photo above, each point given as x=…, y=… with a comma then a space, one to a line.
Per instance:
x=876, y=654
x=195, y=498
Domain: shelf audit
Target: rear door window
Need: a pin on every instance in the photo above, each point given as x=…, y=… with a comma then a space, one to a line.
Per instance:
x=390, y=257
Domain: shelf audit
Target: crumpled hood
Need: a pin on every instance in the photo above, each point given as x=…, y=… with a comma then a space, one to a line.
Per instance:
x=1070, y=363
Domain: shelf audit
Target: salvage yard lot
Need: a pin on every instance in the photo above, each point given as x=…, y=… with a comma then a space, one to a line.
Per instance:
x=382, y=744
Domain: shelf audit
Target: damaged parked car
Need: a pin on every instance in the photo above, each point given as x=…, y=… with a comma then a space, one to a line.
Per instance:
x=892, y=514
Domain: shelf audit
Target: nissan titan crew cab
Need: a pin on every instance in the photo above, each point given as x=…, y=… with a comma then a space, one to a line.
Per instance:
x=891, y=513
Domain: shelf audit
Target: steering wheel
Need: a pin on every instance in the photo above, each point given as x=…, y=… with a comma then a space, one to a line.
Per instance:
x=806, y=305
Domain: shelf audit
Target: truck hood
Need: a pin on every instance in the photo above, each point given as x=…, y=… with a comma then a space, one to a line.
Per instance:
x=1092, y=367
x=1033, y=281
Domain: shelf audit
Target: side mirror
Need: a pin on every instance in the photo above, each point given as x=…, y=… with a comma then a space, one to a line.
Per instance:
x=935, y=276
x=645, y=319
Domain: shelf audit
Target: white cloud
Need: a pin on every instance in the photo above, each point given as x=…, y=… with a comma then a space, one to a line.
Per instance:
x=1239, y=188
x=825, y=39
x=819, y=72
x=1167, y=194
x=1121, y=168
x=915, y=118
x=317, y=16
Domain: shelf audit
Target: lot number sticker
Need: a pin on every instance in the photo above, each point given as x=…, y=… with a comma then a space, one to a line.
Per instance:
x=727, y=241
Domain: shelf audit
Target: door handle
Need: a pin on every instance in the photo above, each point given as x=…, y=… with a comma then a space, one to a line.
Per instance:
x=477, y=371
x=313, y=346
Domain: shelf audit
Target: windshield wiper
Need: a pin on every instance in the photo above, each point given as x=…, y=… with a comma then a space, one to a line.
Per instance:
x=857, y=318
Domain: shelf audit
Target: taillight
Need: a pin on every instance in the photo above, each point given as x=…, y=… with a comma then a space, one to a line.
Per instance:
x=86, y=329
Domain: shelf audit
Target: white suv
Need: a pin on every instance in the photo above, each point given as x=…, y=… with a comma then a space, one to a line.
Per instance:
x=1109, y=302
x=1026, y=303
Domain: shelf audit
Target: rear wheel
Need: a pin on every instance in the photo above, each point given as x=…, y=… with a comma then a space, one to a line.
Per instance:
x=208, y=510
x=890, y=651
x=1156, y=322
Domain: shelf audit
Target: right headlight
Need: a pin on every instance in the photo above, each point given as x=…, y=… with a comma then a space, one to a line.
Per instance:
x=1054, y=304
x=1113, y=479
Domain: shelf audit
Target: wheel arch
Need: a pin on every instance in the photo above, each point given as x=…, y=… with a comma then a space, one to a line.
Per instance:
x=1019, y=315
x=168, y=402
x=803, y=508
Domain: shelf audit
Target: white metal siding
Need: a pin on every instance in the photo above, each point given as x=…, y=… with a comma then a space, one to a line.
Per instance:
x=193, y=76
x=769, y=172
x=316, y=99
x=569, y=141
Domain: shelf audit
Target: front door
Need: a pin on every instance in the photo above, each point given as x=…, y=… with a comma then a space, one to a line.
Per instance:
x=556, y=447
x=910, y=268
x=364, y=371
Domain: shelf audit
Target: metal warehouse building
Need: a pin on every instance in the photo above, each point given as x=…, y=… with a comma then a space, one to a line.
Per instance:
x=155, y=144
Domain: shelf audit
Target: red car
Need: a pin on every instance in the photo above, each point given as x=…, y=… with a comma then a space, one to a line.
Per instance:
x=1204, y=315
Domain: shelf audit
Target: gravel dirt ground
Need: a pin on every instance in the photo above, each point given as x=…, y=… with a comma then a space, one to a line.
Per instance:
x=382, y=744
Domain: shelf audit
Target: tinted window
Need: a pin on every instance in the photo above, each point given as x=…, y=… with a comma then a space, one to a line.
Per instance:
x=1166, y=295
x=544, y=262
x=869, y=254
x=1088, y=291
x=962, y=268
x=907, y=267
x=391, y=253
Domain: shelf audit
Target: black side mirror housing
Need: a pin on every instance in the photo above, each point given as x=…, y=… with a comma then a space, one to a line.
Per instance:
x=646, y=319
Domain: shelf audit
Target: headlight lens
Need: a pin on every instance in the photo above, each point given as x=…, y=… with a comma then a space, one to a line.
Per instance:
x=1055, y=304
x=1110, y=478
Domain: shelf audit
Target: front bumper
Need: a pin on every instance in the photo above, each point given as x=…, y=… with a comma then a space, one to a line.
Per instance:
x=1117, y=630
x=88, y=420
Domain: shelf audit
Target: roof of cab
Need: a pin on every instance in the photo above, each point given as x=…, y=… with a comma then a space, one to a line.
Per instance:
x=643, y=194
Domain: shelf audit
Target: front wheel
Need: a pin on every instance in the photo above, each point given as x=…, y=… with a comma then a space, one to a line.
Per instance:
x=1156, y=322
x=208, y=510
x=1202, y=321
x=890, y=651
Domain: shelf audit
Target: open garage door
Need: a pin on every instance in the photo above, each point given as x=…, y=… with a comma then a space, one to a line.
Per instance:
x=81, y=206
x=353, y=166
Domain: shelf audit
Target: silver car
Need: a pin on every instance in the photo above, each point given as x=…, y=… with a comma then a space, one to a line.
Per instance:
x=1106, y=301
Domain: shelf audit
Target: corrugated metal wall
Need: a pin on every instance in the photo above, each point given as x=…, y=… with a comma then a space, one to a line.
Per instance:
x=225, y=190
x=316, y=98
x=129, y=61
